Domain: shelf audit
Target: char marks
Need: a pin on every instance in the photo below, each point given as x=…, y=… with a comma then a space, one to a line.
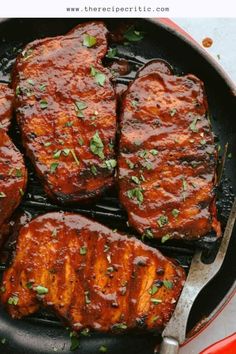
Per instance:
x=94, y=277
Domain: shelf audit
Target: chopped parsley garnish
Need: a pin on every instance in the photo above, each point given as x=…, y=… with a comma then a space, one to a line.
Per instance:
x=110, y=164
x=81, y=141
x=18, y=90
x=54, y=167
x=42, y=87
x=155, y=301
x=13, y=300
x=103, y=349
x=147, y=165
x=31, y=82
x=153, y=290
x=96, y=146
x=162, y=220
x=18, y=173
x=85, y=332
x=27, y=53
x=136, y=193
x=69, y=124
x=230, y=155
x=193, y=126
x=153, y=152
x=29, y=284
x=80, y=106
x=83, y=250
x=89, y=41
x=74, y=341
x=43, y=104
x=41, y=290
x=135, y=179
x=134, y=103
x=147, y=233
x=87, y=299
x=184, y=184
x=165, y=238
x=3, y=289
x=173, y=111
x=2, y=195
x=121, y=325
x=94, y=170
x=57, y=154
x=155, y=318
x=21, y=192
x=175, y=212
x=168, y=284
x=75, y=157
x=99, y=77
x=133, y=35
x=3, y=340
x=130, y=163
x=143, y=153
x=66, y=151
x=111, y=53
x=48, y=143
x=202, y=141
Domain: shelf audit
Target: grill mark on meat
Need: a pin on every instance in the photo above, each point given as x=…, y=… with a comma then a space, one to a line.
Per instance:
x=56, y=73
x=105, y=306
x=167, y=172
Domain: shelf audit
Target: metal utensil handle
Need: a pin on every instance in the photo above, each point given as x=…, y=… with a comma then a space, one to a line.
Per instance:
x=169, y=346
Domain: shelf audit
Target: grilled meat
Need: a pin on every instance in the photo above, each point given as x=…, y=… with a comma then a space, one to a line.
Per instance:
x=167, y=161
x=66, y=109
x=6, y=105
x=90, y=276
x=13, y=175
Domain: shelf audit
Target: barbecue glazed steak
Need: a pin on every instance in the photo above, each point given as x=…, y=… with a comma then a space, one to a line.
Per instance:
x=167, y=161
x=90, y=276
x=66, y=109
x=13, y=176
x=6, y=106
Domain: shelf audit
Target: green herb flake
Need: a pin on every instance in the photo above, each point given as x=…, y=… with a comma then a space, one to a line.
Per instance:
x=162, y=220
x=155, y=318
x=99, y=77
x=13, y=300
x=147, y=233
x=89, y=41
x=3, y=289
x=129, y=163
x=121, y=325
x=143, y=153
x=83, y=250
x=96, y=146
x=47, y=144
x=136, y=193
x=66, y=151
x=155, y=301
x=74, y=341
x=27, y=53
x=18, y=90
x=57, y=154
x=81, y=141
x=112, y=52
x=94, y=170
x=134, y=103
x=87, y=299
x=40, y=290
x=154, y=152
x=18, y=173
x=80, y=105
x=153, y=290
x=31, y=82
x=135, y=179
x=230, y=155
x=193, y=126
x=165, y=238
x=2, y=195
x=43, y=104
x=54, y=167
x=173, y=111
x=85, y=332
x=175, y=213
x=103, y=349
x=29, y=285
x=168, y=284
x=148, y=165
x=110, y=164
x=75, y=157
x=184, y=184
x=3, y=340
x=133, y=35
x=69, y=124
x=21, y=192
x=42, y=87
x=202, y=141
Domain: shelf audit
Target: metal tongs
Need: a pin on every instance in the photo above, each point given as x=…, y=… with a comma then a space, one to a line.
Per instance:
x=198, y=277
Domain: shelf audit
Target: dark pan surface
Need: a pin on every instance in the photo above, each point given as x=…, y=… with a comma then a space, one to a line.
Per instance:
x=43, y=333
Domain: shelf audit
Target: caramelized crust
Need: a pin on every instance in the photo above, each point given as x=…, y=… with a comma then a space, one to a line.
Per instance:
x=167, y=161
x=6, y=106
x=90, y=276
x=66, y=109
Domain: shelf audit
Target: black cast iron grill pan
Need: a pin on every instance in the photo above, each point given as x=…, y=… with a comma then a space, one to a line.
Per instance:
x=42, y=332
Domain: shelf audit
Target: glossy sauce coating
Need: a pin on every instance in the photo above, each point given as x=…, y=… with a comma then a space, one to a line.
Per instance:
x=167, y=162
x=6, y=105
x=94, y=277
x=65, y=104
